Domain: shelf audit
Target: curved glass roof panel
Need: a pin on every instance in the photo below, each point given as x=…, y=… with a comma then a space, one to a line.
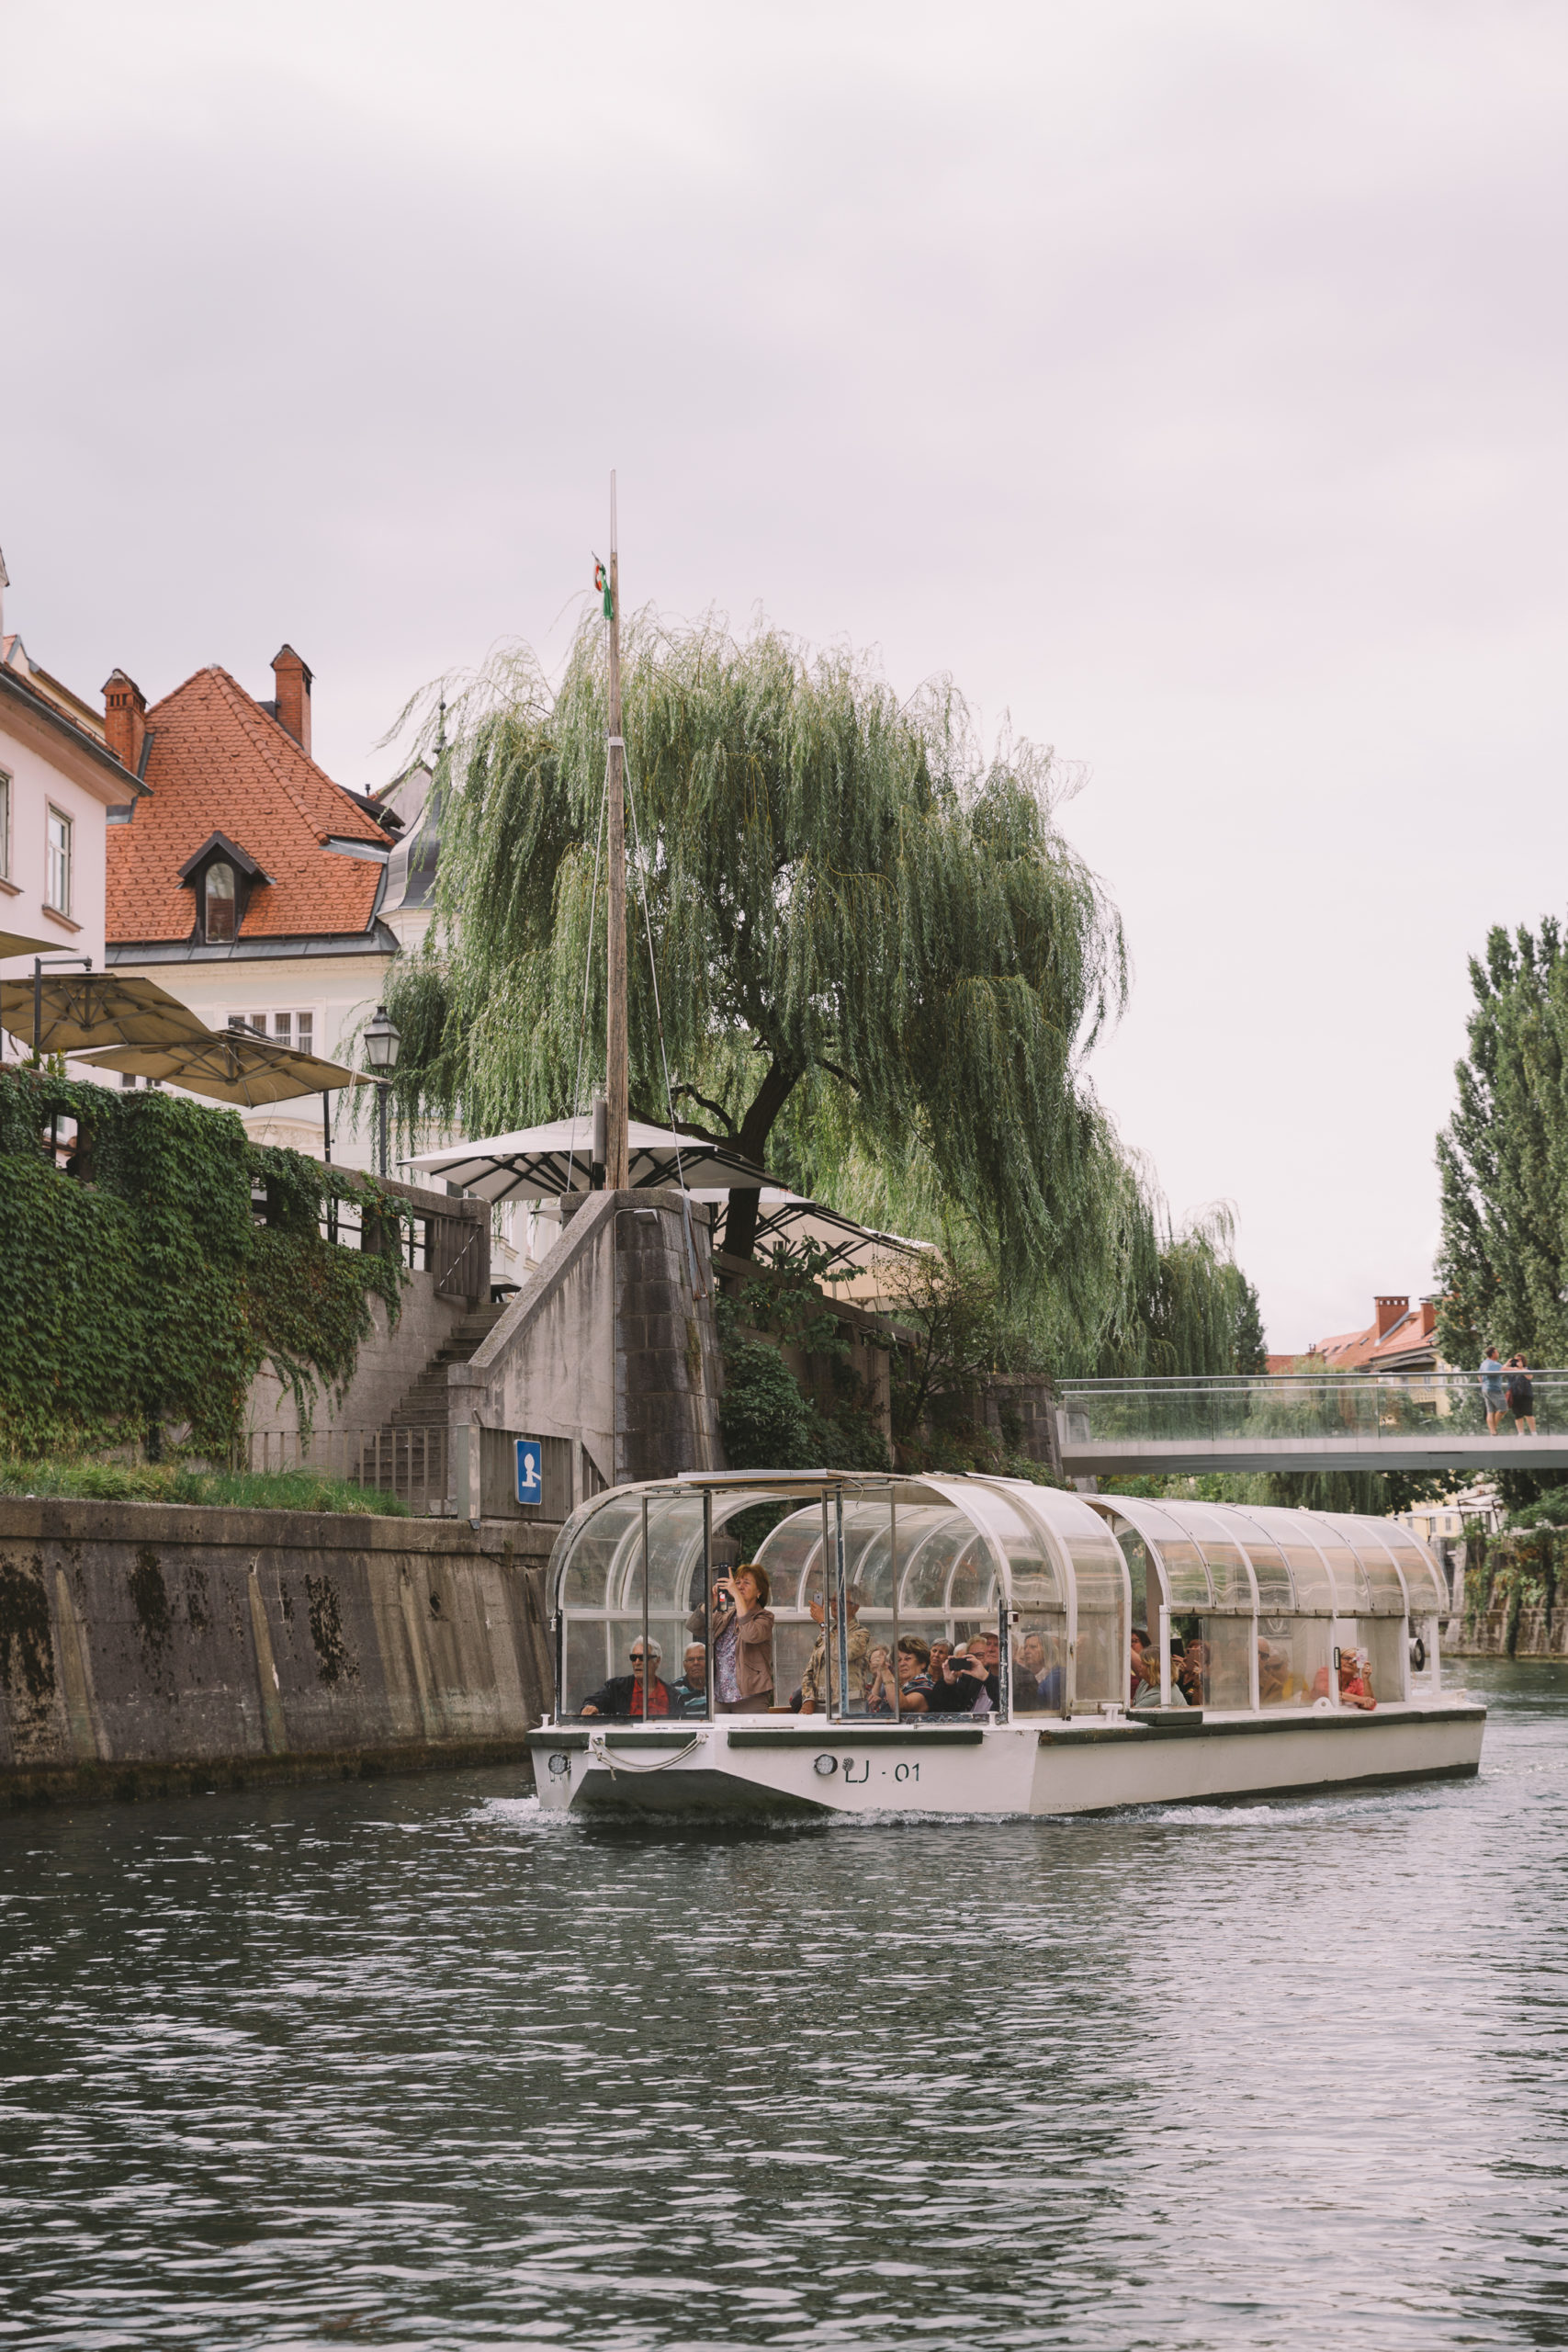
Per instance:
x=1385, y=1586
x=1214, y=1531
x=1302, y=1563
x=1178, y=1559
x=1312, y=1585
x=1351, y=1590
x=1424, y=1579
x=793, y=1556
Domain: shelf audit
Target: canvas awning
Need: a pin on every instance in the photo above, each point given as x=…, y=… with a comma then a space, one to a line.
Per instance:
x=17, y=943
x=83, y=1010
x=235, y=1067
x=541, y=1163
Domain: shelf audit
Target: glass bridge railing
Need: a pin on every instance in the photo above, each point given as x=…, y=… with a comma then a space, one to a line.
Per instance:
x=1392, y=1407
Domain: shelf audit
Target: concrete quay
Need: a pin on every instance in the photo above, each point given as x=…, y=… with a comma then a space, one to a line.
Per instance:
x=151, y=1649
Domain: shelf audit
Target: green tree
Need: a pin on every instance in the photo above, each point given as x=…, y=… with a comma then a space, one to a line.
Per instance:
x=851, y=905
x=1503, y=1159
x=1190, y=1309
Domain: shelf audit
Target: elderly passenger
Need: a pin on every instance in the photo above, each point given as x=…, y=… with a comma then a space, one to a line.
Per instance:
x=622, y=1697
x=690, y=1695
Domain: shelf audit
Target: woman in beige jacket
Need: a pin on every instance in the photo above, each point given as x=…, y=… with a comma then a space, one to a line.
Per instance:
x=742, y=1642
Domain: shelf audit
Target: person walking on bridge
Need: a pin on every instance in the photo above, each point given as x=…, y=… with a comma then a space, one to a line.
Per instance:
x=1492, y=1387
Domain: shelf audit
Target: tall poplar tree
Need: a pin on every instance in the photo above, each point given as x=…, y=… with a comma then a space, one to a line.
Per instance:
x=1503, y=1159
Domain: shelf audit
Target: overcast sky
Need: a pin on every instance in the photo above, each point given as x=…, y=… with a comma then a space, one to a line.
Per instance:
x=1187, y=380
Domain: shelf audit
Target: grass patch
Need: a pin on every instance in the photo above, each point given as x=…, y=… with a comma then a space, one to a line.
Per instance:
x=174, y=1482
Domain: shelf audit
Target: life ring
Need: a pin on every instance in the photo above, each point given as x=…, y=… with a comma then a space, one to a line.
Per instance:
x=1417, y=1654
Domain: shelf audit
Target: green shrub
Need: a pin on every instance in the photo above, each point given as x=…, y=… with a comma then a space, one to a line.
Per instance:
x=766, y=1422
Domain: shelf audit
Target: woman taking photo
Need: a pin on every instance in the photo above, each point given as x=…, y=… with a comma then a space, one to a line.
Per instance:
x=742, y=1642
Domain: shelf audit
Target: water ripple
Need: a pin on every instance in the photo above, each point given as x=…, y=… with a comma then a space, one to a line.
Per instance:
x=418, y=2065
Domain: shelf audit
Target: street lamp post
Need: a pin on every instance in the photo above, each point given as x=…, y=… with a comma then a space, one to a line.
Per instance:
x=381, y=1044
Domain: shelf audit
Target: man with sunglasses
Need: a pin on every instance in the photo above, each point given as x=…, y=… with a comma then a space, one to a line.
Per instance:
x=623, y=1695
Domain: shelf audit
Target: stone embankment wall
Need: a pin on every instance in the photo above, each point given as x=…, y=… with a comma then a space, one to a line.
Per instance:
x=1515, y=1595
x=148, y=1649
x=1534, y=1632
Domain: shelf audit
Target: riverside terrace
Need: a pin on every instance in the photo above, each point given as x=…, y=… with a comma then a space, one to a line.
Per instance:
x=1423, y=1420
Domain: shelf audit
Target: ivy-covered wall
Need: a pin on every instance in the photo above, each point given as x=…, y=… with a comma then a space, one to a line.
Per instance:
x=139, y=1289
x=1514, y=1586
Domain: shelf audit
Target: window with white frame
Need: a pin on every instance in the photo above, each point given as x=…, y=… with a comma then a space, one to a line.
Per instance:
x=5, y=826
x=58, y=861
x=295, y=1029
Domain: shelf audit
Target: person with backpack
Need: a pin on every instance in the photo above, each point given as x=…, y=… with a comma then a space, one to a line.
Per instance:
x=1521, y=1391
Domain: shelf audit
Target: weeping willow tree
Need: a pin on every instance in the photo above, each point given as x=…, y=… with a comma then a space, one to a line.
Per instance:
x=881, y=967
x=1193, y=1310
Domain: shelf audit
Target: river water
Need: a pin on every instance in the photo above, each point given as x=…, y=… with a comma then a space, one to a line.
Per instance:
x=409, y=2064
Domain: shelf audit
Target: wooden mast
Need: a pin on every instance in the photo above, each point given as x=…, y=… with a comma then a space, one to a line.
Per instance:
x=617, y=1170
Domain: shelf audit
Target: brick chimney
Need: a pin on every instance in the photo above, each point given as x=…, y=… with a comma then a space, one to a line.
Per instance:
x=293, y=696
x=1387, y=1312
x=125, y=720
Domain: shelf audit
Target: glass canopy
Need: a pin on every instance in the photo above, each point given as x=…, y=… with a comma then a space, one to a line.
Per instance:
x=1027, y=1576
x=1065, y=1603
x=1263, y=1603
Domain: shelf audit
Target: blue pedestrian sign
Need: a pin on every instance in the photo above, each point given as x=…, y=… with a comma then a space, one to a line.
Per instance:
x=530, y=1469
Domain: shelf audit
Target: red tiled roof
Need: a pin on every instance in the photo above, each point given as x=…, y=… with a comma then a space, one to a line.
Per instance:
x=219, y=763
x=1363, y=1351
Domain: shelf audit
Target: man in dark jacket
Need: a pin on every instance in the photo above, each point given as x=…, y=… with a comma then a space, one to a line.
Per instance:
x=622, y=1696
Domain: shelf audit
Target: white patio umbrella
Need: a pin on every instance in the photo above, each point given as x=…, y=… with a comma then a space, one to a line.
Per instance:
x=541, y=1163
x=791, y=1217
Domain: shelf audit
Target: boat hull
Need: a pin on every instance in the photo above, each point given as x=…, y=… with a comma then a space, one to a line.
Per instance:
x=795, y=1767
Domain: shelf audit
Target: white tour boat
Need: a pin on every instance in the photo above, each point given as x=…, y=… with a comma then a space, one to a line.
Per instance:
x=1251, y=1609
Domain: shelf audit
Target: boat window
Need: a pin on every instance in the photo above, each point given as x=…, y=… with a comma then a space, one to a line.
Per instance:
x=1384, y=1584
x=1184, y=1576
x=1223, y=1664
x=942, y=1566
x=1293, y=1656
x=1424, y=1580
x=1144, y=1581
x=1104, y=1633
x=1039, y=1654
x=1271, y=1574
x=1386, y=1645
x=606, y=1613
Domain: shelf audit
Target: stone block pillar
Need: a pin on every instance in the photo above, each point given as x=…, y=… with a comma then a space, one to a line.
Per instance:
x=667, y=1360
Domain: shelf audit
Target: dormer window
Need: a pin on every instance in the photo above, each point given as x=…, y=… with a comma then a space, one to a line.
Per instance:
x=218, y=900
x=223, y=877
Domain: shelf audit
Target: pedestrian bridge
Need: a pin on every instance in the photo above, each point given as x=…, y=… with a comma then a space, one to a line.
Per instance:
x=1431, y=1421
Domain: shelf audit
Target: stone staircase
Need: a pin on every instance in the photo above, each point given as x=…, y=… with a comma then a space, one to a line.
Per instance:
x=424, y=1405
x=410, y=1455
